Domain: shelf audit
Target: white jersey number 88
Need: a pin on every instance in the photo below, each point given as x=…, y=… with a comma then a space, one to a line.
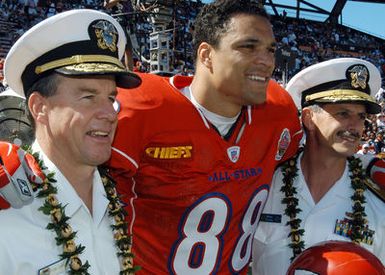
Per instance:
x=199, y=249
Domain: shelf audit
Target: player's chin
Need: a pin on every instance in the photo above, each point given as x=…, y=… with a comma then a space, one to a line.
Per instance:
x=256, y=93
x=255, y=98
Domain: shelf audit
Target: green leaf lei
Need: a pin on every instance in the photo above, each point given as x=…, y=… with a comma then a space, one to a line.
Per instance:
x=358, y=177
x=65, y=236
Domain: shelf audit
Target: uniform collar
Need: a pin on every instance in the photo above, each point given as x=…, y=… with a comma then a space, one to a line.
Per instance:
x=183, y=83
x=67, y=195
x=341, y=189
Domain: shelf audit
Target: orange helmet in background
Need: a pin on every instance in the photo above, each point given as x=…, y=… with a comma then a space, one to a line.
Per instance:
x=336, y=258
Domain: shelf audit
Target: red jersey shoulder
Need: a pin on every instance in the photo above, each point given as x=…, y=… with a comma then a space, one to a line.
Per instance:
x=278, y=96
x=279, y=115
x=153, y=91
x=147, y=95
x=151, y=109
x=279, y=105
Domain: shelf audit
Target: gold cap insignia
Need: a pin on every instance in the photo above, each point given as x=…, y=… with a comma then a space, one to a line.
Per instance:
x=106, y=34
x=358, y=76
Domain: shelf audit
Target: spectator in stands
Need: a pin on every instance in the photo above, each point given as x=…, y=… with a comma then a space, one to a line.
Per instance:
x=292, y=38
x=365, y=149
x=59, y=6
x=284, y=15
x=380, y=96
x=30, y=10
x=50, y=8
x=375, y=127
x=379, y=142
x=285, y=40
x=371, y=138
x=380, y=122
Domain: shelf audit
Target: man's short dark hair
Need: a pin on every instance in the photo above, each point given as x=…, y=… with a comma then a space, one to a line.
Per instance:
x=212, y=20
x=46, y=86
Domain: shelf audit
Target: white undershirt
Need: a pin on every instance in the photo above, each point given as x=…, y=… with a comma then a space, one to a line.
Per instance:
x=222, y=123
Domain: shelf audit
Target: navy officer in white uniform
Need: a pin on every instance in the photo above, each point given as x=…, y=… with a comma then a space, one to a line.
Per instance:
x=323, y=193
x=68, y=67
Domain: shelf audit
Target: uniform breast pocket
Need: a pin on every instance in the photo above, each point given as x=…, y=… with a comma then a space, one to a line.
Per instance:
x=272, y=255
x=271, y=238
x=270, y=232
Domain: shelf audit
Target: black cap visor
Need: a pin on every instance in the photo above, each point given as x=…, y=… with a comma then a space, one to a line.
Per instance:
x=124, y=78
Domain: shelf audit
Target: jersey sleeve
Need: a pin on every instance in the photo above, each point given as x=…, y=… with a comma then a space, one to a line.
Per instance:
x=285, y=104
x=136, y=120
x=127, y=141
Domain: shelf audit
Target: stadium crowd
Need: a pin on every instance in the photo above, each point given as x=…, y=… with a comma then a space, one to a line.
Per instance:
x=313, y=42
x=309, y=42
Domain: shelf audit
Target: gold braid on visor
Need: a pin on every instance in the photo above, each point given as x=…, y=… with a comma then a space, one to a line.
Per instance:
x=341, y=94
x=77, y=59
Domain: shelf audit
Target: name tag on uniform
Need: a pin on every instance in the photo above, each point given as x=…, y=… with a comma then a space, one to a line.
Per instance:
x=275, y=218
x=57, y=268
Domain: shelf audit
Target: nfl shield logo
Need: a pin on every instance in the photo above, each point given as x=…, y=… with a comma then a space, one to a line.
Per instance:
x=233, y=153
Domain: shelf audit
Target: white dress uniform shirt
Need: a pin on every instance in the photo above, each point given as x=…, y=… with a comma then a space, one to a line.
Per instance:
x=271, y=253
x=27, y=247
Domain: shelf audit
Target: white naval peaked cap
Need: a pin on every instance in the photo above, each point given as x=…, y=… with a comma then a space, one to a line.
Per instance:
x=76, y=42
x=340, y=80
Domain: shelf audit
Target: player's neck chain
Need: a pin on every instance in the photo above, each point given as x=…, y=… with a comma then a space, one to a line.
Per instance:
x=65, y=236
x=290, y=172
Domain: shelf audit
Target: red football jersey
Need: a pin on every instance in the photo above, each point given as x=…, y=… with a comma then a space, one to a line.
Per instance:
x=193, y=198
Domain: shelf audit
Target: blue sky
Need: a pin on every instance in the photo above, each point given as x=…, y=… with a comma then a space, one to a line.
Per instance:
x=366, y=17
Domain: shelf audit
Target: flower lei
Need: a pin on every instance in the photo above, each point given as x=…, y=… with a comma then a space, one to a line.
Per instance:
x=358, y=178
x=65, y=236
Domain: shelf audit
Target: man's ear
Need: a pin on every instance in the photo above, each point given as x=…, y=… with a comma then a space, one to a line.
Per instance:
x=204, y=54
x=307, y=118
x=37, y=105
